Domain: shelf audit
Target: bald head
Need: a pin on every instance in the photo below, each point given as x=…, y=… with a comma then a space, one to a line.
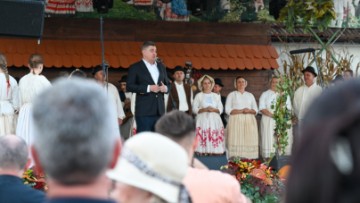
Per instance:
x=13, y=152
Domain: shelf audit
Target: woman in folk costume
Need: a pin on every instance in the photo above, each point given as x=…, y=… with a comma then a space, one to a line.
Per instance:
x=209, y=128
x=29, y=87
x=242, y=127
x=8, y=99
x=267, y=125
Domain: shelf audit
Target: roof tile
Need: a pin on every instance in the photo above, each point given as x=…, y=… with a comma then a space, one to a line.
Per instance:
x=85, y=53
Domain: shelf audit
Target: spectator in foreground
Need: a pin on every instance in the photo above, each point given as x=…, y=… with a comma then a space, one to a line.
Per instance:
x=13, y=158
x=76, y=141
x=326, y=167
x=203, y=185
x=150, y=170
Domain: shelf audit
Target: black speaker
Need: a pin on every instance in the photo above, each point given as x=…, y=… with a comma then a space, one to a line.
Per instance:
x=22, y=18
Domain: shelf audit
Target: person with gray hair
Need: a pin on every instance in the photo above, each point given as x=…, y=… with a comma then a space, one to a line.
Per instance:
x=180, y=127
x=76, y=140
x=13, y=159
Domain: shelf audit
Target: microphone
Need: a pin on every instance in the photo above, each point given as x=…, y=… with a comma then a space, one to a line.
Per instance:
x=158, y=60
x=301, y=51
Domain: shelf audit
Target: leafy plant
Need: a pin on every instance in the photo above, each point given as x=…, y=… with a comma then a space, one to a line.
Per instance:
x=258, y=182
x=34, y=180
x=282, y=115
x=307, y=14
x=264, y=16
x=236, y=10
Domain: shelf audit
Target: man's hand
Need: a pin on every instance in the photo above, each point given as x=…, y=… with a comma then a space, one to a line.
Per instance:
x=154, y=88
x=162, y=87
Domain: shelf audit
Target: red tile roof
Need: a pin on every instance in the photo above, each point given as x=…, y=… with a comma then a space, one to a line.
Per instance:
x=87, y=54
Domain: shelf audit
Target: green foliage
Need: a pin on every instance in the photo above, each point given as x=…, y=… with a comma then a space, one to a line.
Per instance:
x=282, y=115
x=264, y=16
x=307, y=14
x=236, y=10
x=258, y=192
x=122, y=10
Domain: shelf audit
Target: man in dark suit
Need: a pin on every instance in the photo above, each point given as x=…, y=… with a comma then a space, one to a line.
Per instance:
x=13, y=158
x=148, y=79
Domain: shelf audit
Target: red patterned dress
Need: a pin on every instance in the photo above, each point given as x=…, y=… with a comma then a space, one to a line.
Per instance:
x=209, y=127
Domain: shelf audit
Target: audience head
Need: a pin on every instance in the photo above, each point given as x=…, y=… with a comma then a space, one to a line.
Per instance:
x=148, y=50
x=13, y=153
x=150, y=165
x=75, y=131
x=178, y=126
x=326, y=161
x=36, y=64
x=348, y=74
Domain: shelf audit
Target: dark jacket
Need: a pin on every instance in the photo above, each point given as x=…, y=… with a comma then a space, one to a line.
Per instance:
x=13, y=190
x=147, y=103
x=173, y=101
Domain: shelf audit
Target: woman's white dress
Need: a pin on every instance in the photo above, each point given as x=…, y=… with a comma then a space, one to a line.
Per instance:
x=209, y=127
x=29, y=87
x=267, y=125
x=242, y=130
x=9, y=102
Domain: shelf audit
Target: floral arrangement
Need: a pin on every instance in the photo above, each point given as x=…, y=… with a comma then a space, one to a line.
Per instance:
x=35, y=180
x=258, y=182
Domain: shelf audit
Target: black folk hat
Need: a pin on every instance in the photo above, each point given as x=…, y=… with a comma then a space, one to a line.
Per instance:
x=310, y=70
x=123, y=79
x=178, y=68
x=96, y=69
x=218, y=82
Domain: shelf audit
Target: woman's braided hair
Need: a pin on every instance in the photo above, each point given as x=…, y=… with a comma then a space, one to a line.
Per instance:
x=3, y=66
x=35, y=60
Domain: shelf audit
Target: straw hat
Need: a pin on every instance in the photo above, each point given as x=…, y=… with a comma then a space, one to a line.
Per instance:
x=154, y=163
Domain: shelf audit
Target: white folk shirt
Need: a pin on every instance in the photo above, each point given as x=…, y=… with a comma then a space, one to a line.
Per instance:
x=183, y=105
x=236, y=100
x=268, y=98
x=154, y=72
x=114, y=96
x=303, y=97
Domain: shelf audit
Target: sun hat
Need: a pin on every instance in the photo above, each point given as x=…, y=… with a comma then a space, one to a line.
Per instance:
x=201, y=80
x=154, y=163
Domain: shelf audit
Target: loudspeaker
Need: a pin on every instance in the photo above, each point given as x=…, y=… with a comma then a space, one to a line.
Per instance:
x=22, y=17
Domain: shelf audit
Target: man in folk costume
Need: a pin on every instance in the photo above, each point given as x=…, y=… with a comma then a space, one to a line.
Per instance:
x=217, y=89
x=112, y=92
x=125, y=98
x=305, y=94
x=181, y=95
